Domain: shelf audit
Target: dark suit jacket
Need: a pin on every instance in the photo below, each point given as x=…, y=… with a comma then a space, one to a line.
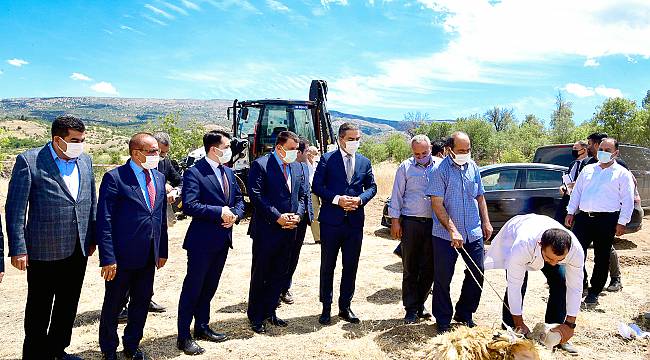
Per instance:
x=203, y=199
x=270, y=196
x=172, y=176
x=2, y=249
x=50, y=229
x=308, y=206
x=126, y=227
x=330, y=180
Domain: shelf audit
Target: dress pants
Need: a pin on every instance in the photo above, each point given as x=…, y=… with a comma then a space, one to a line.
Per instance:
x=315, y=225
x=444, y=261
x=201, y=281
x=556, y=304
x=294, y=255
x=53, y=289
x=599, y=229
x=348, y=240
x=417, y=260
x=139, y=284
x=271, y=254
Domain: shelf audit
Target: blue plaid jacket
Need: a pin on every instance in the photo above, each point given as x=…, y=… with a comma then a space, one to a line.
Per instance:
x=43, y=219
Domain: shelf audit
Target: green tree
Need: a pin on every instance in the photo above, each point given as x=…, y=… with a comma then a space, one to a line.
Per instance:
x=435, y=130
x=645, y=103
x=562, y=121
x=184, y=138
x=616, y=117
x=502, y=118
x=482, y=135
x=374, y=150
x=398, y=148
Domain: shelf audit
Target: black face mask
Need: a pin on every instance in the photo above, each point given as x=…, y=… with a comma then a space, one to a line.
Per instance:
x=575, y=153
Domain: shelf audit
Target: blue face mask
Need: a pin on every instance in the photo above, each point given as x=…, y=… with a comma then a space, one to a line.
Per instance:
x=604, y=157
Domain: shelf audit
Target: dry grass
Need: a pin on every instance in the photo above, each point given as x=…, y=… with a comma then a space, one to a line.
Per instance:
x=381, y=334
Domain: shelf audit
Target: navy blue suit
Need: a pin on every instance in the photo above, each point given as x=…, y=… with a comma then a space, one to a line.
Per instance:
x=296, y=246
x=207, y=241
x=271, y=197
x=134, y=237
x=340, y=229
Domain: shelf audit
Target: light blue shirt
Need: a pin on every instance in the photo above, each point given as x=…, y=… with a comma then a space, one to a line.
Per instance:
x=142, y=180
x=458, y=186
x=408, y=197
x=69, y=172
x=280, y=163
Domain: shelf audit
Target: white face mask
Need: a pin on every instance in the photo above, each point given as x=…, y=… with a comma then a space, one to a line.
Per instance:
x=316, y=159
x=226, y=155
x=151, y=162
x=290, y=155
x=352, y=146
x=462, y=159
x=604, y=157
x=73, y=150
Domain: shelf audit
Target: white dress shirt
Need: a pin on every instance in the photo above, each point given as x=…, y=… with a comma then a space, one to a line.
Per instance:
x=516, y=248
x=215, y=167
x=604, y=190
x=335, y=201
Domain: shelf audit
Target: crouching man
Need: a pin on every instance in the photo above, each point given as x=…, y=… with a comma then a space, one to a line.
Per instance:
x=537, y=242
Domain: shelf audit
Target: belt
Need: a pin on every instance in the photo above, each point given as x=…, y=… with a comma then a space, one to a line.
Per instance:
x=593, y=214
x=417, y=218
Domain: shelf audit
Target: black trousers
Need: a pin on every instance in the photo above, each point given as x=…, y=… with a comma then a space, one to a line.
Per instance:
x=417, y=261
x=599, y=230
x=556, y=304
x=201, y=281
x=139, y=284
x=268, y=273
x=348, y=240
x=294, y=254
x=53, y=289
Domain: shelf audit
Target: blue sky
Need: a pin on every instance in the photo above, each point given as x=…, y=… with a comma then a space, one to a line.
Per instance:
x=448, y=58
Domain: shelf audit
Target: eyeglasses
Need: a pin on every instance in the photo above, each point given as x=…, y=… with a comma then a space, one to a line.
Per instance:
x=150, y=152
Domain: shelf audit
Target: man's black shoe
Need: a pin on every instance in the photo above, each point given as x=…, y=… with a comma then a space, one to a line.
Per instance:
x=348, y=315
x=274, y=320
x=66, y=356
x=136, y=354
x=411, y=317
x=189, y=347
x=123, y=317
x=398, y=250
x=469, y=323
x=109, y=356
x=258, y=328
x=207, y=334
x=286, y=297
x=424, y=313
x=153, y=307
x=443, y=328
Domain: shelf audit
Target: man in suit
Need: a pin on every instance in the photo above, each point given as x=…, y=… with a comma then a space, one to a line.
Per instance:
x=55, y=187
x=301, y=230
x=579, y=152
x=276, y=190
x=132, y=240
x=173, y=182
x=211, y=196
x=345, y=184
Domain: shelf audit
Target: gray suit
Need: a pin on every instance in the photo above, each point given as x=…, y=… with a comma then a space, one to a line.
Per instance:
x=55, y=219
x=56, y=232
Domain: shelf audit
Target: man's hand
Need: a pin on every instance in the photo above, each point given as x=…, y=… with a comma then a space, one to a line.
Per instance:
x=1, y=276
x=520, y=326
x=565, y=331
x=109, y=271
x=456, y=239
x=168, y=188
x=170, y=198
x=161, y=263
x=289, y=220
x=349, y=203
x=487, y=230
x=229, y=224
x=91, y=249
x=19, y=262
x=227, y=216
x=620, y=230
x=568, y=221
x=395, y=229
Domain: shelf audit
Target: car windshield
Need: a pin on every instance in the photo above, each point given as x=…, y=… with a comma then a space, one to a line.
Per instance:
x=278, y=118
x=247, y=126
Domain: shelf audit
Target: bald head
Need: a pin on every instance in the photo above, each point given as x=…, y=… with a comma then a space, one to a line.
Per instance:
x=141, y=145
x=459, y=143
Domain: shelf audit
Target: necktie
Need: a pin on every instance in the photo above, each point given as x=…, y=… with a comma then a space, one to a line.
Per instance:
x=284, y=171
x=349, y=171
x=226, y=185
x=151, y=190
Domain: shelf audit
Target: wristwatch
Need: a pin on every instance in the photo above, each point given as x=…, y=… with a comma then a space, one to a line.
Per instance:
x=570, y=324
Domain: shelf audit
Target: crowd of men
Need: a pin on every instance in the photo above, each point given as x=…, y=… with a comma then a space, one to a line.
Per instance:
x=56, y=219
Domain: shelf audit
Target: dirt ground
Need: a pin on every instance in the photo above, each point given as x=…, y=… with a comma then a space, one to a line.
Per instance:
x=381, y=334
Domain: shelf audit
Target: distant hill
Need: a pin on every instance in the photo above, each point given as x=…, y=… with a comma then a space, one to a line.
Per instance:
x=127, y=111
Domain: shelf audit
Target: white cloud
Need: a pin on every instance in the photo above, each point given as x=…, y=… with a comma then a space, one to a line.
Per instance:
x=1, y=72
x=586, y=91
x=80, y=77
x=190, y=5
x=157, y=11
x=327, y=3
x=104, y=87
x=128, y=28
x=17, y=62
x=225, y=5
x=178, y=9
x=608, y=92
x=154, y=20
x=277, y=6
x=591, y=63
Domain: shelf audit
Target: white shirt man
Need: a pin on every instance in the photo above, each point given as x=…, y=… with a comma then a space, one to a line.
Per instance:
x=537, y=242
